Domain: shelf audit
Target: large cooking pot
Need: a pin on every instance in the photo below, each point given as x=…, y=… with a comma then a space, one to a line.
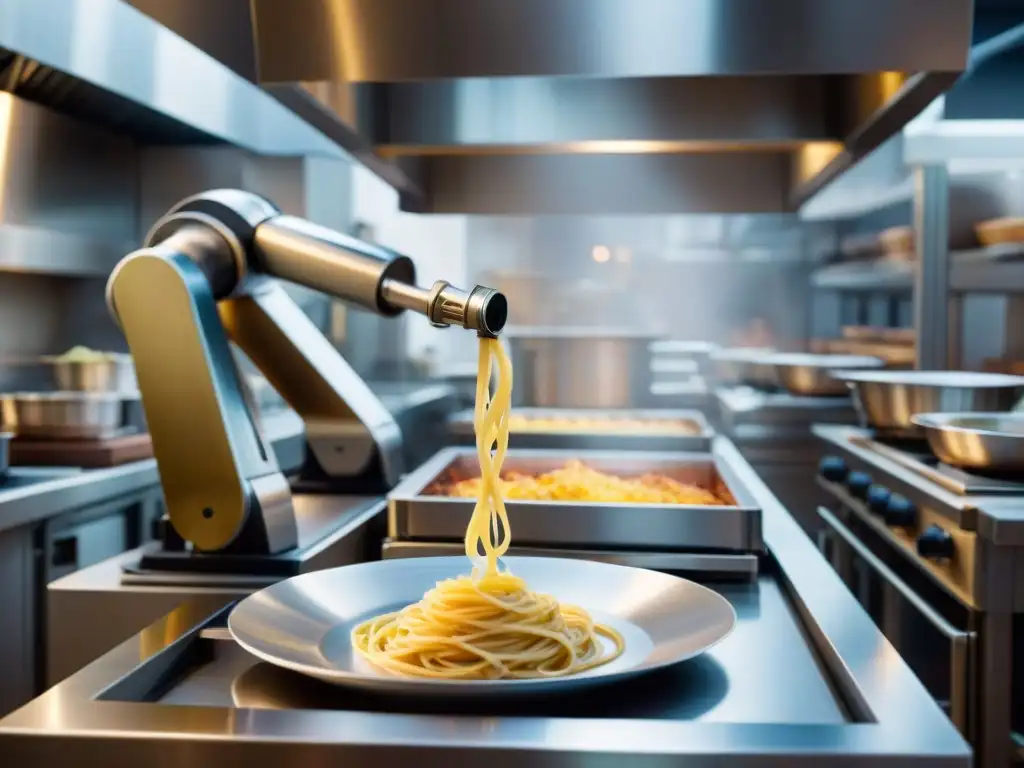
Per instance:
x=580, y=367
x=809, y=375
x=888, y=400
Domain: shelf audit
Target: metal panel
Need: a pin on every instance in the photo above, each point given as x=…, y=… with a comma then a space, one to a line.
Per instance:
x=480, y=115
x=594, y=184
x=394, y=40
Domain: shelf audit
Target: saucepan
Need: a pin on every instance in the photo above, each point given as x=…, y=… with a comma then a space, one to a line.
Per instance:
x=888, y=400
x=991, y=442
x=809, y=375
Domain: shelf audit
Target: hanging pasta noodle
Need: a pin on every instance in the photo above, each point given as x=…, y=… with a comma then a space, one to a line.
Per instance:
x=488, y=625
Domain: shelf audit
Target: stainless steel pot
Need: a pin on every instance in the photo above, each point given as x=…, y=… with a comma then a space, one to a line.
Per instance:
x=811, y=375
x=889, y=400
x=109, y=372
x=976, y=441
x=67, y=415
x=580, y=367
x=744, y=365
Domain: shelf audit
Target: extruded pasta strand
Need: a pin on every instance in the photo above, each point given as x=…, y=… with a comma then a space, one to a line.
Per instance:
x=489, y=625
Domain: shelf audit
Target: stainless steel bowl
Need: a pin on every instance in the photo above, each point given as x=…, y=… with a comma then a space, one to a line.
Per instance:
x=66, y=415
x=811, y=375
x=109, y=373
x=978, y=441
x=744, y=365
x=888, y=400
x=580, y=367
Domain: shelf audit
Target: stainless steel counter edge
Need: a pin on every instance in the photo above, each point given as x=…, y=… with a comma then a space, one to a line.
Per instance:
x=894, y=721
x=1000, y=519
x=33, y=503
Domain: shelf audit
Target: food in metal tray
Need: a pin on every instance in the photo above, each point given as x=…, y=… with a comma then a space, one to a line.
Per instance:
x=578, y=482
x=602, y=424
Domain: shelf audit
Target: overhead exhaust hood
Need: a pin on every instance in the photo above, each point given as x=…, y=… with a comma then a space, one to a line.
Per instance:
x=529, y=106
x=592, y=106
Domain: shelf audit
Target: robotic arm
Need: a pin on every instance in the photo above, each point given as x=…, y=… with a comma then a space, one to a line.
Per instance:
x=201, y=279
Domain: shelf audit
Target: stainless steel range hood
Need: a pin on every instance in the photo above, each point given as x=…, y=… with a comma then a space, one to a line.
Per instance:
x=574, y=106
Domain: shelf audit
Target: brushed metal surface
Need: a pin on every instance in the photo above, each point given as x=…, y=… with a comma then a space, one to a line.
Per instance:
x=982, y=441
x=580, y=367
x=66, y=414
x=889, y=400
x=706, y=566
x=808, y=374
x=460, y=425
x=809, y=676
x=415, y=514
x=113, y=373
x=304, y=623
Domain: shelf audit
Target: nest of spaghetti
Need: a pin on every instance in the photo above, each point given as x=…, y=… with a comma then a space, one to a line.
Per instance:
x=487, y=628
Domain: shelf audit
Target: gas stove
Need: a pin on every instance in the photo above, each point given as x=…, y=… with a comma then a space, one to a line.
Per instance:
x=929, y=509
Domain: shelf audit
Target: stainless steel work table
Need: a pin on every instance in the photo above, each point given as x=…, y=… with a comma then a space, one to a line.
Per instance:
x=806, y=679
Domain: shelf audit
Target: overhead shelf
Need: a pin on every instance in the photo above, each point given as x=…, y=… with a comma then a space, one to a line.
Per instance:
x=30, y=250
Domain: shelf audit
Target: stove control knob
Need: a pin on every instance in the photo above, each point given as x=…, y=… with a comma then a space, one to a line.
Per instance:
x=878, y=499
x=936, y=544
x=833, y=469
x=900, y=512
x=858, y=484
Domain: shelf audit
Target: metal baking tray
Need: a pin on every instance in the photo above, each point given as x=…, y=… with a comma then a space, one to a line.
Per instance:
x=417, y=513
x=716, y=566
x=460, y=426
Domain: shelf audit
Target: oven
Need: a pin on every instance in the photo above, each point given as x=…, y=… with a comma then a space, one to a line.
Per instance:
x=933, y=631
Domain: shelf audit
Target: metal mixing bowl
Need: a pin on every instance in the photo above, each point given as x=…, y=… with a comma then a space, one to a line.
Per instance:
x=810, y=375
x=977, y=441
x=66, y=415
x=888, y=400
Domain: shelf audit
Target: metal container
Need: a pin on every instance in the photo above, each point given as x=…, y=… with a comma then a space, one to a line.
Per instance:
x=67, y=415
x=979, y=441
x=667, y=351
x=111, y=372
x=694, y=433
x=415, y=513
x=888, y=400
x=580, y=367
x=811, y=375
x=744, y=365
x=5, y=453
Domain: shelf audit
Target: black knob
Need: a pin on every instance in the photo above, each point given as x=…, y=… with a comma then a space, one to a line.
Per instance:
x=936, y=544
x=858, y=484
x=878, y=499
x=900, y=512
x=833, y=469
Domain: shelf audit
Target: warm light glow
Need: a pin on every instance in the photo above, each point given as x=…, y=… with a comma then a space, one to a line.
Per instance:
x=814, y=156
x=601, y=254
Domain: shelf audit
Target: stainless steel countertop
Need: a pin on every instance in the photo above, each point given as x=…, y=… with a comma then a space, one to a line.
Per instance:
x=889, y=717
x=25, y=505
x=740, y=680
x=31, y=503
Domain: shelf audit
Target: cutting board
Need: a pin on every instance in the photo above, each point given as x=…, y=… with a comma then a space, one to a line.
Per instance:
x=91, y=454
